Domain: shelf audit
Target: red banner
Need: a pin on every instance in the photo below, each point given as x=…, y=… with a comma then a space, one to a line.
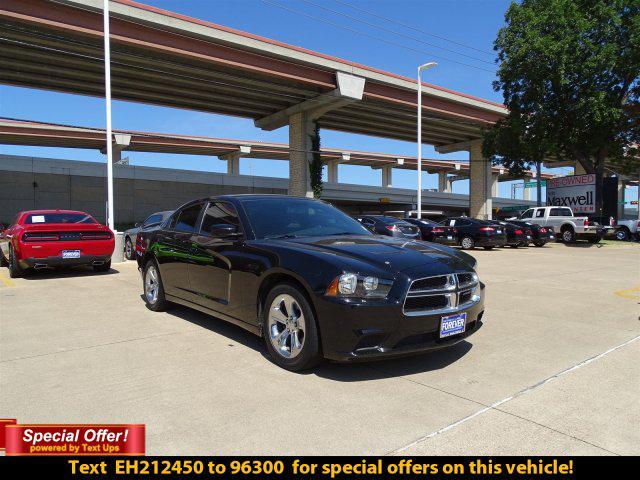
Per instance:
x=3, y=423
x=75, y=440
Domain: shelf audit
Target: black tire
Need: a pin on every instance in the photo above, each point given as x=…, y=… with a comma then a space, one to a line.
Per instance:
x=3, y=261
x=568, y=235
x=539, y=244
x=159, y=304
x=129, y=252
x=469, y=242
x=623, y=234
x=488, y=248
x=105, y=267
x=309, y=355
x=15, y=270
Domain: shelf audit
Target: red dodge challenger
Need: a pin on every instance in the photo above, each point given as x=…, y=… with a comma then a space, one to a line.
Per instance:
x=55, y=238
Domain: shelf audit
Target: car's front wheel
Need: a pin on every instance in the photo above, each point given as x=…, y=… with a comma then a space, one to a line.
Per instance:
x=289, y=329
x=539, y=244
x=153, y=288
x=128, y=249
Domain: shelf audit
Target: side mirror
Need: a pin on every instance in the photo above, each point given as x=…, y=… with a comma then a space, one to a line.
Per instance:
x=223, y=230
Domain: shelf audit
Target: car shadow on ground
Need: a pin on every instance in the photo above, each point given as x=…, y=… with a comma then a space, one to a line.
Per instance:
x=340, y=372
x=47, y=273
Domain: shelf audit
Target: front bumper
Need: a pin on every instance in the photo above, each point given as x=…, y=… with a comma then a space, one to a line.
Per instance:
x=365, y=332
x=54, y=262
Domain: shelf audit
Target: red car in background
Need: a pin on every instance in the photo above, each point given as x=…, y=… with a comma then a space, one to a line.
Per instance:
x=55, y=238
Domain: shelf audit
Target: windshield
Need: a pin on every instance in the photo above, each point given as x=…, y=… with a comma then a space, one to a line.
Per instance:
x=36, y=218
x=290, y=218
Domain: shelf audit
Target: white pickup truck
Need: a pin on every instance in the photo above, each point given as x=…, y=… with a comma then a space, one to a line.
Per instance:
x=567, y=227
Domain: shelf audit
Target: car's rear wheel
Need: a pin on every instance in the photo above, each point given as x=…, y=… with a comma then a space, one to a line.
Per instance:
x=568, y=235
x=105, y=267
x=153, y=288
x=488, y=248
x=467, y=243
x=128, y=249
x=15, y=270
x=289, y=329
x=3, y=261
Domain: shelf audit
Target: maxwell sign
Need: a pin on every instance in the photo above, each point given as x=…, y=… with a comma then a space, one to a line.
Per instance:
x=576, y=191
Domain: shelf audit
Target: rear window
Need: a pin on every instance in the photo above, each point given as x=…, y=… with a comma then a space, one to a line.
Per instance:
x=45, y=218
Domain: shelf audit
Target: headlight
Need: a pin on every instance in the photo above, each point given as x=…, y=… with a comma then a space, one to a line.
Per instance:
x=352, y=285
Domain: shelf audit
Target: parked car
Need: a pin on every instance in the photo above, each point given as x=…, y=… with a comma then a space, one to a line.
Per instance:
x=311, y=280
x=55, y=238
x=476, y=233
x=626, y=229
x=539, y=236
x=433, y=232
x=152, y=220
x=564, y=223
x=516, y=235
x=390, y=226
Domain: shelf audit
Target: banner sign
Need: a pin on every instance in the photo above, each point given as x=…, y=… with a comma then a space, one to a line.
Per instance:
x=75, y=439
x=577, y=192
x=3, y=423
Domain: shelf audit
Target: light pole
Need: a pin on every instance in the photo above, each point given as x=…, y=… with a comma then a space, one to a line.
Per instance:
x=420, y=68
x=107, y=98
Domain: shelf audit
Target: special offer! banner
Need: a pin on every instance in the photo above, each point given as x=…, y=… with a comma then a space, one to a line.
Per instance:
x=74, y=439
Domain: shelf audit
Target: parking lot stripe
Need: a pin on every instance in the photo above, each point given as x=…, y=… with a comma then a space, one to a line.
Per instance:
x=494, y=406
x=630, y=293
x=7, y=282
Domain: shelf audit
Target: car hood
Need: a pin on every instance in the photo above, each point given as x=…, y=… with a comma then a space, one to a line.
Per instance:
x=390, y=253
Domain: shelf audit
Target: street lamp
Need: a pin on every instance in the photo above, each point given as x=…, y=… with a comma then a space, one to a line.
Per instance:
x=426, y=66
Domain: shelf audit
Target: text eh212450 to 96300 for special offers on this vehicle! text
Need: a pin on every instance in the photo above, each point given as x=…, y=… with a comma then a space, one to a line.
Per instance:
x=309, y=279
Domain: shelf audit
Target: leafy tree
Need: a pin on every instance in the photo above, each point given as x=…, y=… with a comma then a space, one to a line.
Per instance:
x=570, y=75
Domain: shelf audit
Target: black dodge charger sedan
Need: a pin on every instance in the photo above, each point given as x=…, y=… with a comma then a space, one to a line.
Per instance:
x=311, y=280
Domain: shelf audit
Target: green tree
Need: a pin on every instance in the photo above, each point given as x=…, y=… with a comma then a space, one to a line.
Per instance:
x=570, y=75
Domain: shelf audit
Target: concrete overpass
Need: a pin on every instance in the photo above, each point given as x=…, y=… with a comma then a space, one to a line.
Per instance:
x=164, y=58
x=21, y=132
x=35, y=182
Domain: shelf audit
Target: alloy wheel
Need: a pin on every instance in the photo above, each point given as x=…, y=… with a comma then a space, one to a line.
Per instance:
x=467, y=243
x=286, y=326
x=128, y=249
x=151, y=284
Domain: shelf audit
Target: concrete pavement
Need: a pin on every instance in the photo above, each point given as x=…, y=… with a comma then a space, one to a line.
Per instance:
x=555, y=369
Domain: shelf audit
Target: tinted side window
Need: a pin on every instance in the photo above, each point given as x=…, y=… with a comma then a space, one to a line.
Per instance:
x=527, y=214
x=153, y=219
x=566, y=212
x=540, y=213
x=555, y=212
x=187, y=218
x=219, y=213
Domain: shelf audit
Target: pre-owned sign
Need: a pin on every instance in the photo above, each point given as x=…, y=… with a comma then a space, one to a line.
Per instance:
x=576, y=191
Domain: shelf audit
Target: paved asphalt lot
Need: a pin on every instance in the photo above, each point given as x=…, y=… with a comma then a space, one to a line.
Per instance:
x=81, y=347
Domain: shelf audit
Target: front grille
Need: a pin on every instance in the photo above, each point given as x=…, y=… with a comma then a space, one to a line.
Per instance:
x=428, y=302
x=441, y=294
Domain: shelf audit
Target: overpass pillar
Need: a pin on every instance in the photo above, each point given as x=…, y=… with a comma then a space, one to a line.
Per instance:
x=387, y=176
x=302, y=131
x=480, y=183
x=332, y=171
x=444, y=183
x=233, y=159
x=495, y=191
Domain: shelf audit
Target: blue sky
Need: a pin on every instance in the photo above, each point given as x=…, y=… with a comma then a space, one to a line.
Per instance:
x=469, y=22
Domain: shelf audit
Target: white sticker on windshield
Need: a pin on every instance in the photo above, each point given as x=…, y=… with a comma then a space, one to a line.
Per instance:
x=452, y=223
x=37, y=218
